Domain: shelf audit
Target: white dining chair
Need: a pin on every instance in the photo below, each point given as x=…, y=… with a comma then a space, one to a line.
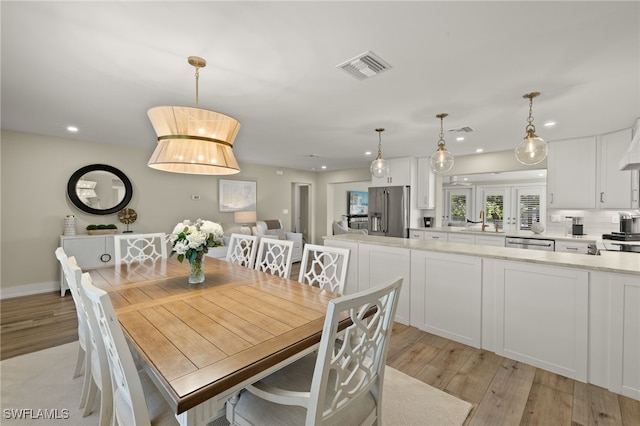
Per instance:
x=242, y=249
x=83, y=327
x=342, y=383
x=133, y=403
x=131, y=248
x=99, y=380
x=325, y=267
x=274, y=256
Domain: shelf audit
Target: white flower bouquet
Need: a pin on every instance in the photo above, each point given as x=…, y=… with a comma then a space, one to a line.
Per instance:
x=192, y=240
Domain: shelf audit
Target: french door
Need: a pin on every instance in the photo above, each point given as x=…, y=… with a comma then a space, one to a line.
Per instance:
x=458, y=206
x=512, y=208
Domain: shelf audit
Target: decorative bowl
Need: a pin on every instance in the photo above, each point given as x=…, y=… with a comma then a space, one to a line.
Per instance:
x=537, y=228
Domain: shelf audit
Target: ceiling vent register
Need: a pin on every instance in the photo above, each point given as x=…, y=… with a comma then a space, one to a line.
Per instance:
x=365, y=65
x=465, y=129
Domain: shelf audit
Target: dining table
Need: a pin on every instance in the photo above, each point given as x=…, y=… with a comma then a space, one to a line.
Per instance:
x=202, y=343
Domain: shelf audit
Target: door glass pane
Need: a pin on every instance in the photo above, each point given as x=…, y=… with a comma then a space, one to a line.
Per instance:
x=529, y=206
x=458, y=205
x=494, y=209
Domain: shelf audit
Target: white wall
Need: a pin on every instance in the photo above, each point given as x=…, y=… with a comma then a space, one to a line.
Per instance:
x=327, y=203
x=34, y=175
x=339, y=197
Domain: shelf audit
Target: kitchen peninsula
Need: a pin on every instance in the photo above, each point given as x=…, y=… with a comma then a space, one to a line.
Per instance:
x=571, y=314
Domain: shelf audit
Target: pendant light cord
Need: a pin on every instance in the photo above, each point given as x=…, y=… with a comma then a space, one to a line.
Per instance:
x=197, y=78
x=379, y=143
x=441, y=143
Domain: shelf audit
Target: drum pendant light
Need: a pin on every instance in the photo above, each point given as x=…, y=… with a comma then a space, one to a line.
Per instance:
x=194, y=140
x=379, y=166
x=441, y=160
x=533, y=149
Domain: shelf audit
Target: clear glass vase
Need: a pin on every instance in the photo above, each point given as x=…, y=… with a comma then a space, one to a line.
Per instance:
x=196, y=270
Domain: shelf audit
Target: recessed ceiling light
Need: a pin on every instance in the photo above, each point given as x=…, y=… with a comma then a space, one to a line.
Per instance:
x=479, y=150
x=459, y=138
x=367, y=153
x=72, y=128
x=549, y=124
x=465, y=179
x=323, y=167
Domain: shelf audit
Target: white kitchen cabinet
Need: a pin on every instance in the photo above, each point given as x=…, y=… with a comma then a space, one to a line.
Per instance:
x=378, y=265
x=489, y=240
x=583, y=173
x=90, y=251
x=624, y=358
x=538, y=314
x=436, y=235
x=416, y=234
x=571, y=174
x=581, y=247
x=446, y=291
x=425, y=191
x=614, y=333
x=614, y=186
x=351, y=283
x=401, y=173
x=460, y=237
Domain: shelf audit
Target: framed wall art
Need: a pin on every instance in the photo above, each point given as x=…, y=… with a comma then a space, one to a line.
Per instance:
x=236, y=195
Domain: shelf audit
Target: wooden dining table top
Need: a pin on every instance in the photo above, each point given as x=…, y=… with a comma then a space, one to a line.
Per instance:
x=198, y=341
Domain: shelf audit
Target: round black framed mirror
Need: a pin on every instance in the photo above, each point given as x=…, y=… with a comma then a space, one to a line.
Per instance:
x=99, y=189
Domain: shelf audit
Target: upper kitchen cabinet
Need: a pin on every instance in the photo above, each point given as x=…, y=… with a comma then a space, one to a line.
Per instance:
x=571, y=174
x=402, y=172
x=583, y=173
x=425, y=191
x=616, y=188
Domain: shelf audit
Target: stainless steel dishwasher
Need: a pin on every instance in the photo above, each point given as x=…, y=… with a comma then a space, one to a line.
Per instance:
x=530, y=243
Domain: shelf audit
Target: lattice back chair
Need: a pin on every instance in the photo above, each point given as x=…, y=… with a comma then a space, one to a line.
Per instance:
x=242, y=249
x=100, y=376
x=131, y=248
x=129, y=397
x=325, y=267
x=83, y=327
x=274, y=256
x=341, y=385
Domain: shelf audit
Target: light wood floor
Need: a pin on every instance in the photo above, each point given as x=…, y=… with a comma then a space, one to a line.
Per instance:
x=502, y=391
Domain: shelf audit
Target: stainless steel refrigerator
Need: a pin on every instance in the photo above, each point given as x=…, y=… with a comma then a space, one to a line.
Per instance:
x=389, y=211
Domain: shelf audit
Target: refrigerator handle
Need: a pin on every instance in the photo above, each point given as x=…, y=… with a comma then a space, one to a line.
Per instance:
x=385, y=211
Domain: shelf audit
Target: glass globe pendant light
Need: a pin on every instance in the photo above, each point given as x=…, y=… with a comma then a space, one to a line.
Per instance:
x=441, y=160
x=379, y=166
x=533, y=149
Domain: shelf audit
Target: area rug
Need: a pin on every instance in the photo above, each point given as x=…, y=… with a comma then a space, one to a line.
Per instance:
x=37, y=389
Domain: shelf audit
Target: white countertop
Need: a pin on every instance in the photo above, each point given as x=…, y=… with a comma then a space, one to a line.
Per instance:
x=548, y=235
x=619, y=262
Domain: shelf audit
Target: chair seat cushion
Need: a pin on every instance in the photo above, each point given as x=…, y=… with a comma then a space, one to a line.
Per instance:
x=297, y=377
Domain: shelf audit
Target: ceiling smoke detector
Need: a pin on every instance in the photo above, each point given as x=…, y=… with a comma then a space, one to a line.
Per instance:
x=465, y=129
x=365, y=65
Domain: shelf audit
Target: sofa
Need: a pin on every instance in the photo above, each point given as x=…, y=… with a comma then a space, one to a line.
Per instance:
x=273, y=229
x=340, y=227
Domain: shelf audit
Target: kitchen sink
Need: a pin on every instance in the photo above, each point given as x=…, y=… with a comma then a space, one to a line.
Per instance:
x=478, y=230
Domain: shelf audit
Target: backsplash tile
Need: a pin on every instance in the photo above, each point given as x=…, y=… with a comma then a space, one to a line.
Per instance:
x=596, y=222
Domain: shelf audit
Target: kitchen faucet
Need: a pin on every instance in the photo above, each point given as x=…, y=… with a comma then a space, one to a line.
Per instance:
x=484, y=224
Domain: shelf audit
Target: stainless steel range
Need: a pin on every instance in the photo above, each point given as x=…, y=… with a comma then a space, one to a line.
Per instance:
x=628, y=238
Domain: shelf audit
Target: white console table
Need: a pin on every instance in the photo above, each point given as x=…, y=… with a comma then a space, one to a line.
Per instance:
x=90, y=251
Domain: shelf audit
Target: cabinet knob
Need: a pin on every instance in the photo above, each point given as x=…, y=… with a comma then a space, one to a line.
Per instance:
x=106, y=257
x=602, y=197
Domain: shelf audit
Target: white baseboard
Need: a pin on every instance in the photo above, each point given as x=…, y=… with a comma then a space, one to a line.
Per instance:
x=29, y=289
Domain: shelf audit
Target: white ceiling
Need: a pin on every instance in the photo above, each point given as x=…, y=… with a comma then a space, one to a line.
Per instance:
x=272, y=65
